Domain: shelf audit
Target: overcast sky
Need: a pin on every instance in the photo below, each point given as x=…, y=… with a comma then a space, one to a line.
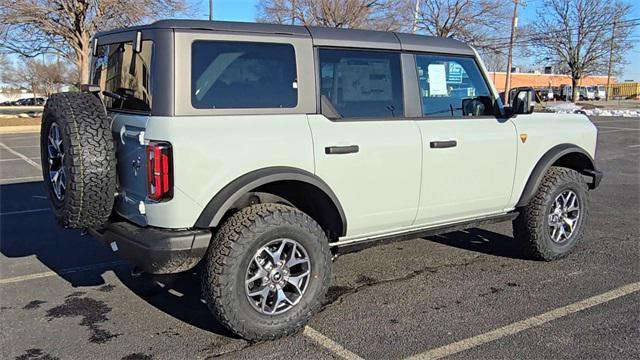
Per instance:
x=245, y=10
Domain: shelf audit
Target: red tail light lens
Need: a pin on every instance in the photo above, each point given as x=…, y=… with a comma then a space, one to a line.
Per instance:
x=159, y=171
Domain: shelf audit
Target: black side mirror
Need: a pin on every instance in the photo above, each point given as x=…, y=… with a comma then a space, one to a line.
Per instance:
x=523, y=101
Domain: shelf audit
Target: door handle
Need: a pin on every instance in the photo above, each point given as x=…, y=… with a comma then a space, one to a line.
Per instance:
x=335, y=150
x=443, y=144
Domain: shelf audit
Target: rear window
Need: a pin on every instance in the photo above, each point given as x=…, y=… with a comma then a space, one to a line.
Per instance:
x=232, y=75
x=118, y=69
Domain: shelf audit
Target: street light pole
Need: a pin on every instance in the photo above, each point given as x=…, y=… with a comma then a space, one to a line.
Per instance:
x=613, y=32
x=514, y=25
x=210, y=10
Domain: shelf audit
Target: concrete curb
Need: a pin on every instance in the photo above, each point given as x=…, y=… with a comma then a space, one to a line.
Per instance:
x=19, y=129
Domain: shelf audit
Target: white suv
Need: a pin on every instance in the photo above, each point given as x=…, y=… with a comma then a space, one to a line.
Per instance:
x=262, y=151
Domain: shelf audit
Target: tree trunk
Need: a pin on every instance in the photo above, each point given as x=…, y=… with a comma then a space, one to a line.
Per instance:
x=574, y=89
x=83, y=52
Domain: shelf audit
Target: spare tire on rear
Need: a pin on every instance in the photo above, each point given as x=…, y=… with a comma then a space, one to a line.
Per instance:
x=78, y=159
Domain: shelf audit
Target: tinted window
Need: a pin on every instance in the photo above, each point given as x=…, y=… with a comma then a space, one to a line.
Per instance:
x=361, y=83
x=452, y=86
x=118, y=69
x=228, y=75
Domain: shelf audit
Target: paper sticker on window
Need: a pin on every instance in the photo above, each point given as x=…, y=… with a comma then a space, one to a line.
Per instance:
x=437, y=80
x=455, y=73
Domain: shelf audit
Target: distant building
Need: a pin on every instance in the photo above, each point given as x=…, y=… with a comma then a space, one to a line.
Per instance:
x=538, y=80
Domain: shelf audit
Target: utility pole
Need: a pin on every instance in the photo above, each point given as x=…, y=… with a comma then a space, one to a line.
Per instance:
x=210, y=10
x=414, y=28
x=613, y=32
x=514, y=25
x=293, y=12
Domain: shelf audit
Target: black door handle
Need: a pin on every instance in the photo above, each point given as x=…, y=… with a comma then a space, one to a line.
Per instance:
x=443, y=144
x=332, y=150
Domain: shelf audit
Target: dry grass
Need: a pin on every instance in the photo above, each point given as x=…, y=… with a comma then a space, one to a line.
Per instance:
x=19, y=121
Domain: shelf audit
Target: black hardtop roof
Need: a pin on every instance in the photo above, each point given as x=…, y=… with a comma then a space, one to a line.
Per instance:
x=322, y=36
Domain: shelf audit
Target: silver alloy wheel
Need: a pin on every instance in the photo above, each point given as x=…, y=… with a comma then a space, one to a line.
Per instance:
x=563, y=216
x=277, y=276
x=55, y=152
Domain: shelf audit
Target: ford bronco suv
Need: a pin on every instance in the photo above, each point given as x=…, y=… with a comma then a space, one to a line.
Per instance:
x=259, y=152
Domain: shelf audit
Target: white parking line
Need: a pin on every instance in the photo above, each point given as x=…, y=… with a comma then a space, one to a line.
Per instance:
x=334, y=347
x=22, y=156
x=519, y=326
x=24, y=211
x=634, y=146
x=16, y=159
x=61, y=272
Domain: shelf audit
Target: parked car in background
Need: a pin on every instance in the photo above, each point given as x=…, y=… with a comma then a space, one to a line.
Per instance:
x=584, y=93
x=587, y=93
x=601, y=92
x=31, y=102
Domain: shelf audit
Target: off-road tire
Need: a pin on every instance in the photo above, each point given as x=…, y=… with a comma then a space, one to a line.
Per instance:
x=531, y=229
x=226, y=261
x=89, y=161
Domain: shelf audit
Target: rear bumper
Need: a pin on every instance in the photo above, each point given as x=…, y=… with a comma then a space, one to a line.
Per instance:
x=154, y=250
x=596, y=177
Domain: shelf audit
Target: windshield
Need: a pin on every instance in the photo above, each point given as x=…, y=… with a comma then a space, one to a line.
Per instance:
x=118, y=69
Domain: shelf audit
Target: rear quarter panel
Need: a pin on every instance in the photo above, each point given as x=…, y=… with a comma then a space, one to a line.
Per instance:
x=211, y=151
x=544, y=131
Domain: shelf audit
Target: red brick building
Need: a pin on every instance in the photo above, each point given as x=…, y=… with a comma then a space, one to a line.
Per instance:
x=542, y=80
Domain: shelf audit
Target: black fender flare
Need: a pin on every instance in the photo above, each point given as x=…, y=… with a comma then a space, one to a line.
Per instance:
x=546, y=161
x=225, y=198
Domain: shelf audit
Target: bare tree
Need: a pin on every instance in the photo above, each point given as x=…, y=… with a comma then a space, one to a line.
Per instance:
x=494, y=60
x=361, y=14
x=65, y=27
x=577, y=34
x=479, y=23
x=25, y=75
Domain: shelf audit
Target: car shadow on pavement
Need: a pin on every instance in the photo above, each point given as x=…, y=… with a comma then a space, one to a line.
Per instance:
x=28, y=229
x=482, y=241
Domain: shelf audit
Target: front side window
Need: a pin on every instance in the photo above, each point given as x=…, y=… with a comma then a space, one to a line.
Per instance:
x=452, y=87
x=235, y=75
x=118, y=69
x=361, y=84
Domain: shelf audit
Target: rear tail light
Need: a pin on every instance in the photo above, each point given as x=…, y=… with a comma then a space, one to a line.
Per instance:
x=159, y=171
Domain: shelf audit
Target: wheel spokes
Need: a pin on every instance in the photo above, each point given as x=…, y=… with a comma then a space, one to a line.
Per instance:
x=277, y=276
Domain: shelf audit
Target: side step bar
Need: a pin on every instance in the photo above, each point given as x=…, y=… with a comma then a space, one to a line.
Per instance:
x=348, y=246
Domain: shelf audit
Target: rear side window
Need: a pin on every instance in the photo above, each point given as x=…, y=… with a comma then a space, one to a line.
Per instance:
x=233, y=75
x=361, y=84
x=118, y=69
x=452, y=87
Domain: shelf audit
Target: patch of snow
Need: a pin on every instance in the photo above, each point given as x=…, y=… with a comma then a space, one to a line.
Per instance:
x=607, y=112
x=564, y=108
x=571, y=108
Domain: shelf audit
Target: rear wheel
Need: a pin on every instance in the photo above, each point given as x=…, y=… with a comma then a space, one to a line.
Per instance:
x=551, y=225
x=267, y=271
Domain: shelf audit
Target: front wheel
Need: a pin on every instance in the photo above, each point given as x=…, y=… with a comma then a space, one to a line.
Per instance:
x=267, y=271
x=553, y=222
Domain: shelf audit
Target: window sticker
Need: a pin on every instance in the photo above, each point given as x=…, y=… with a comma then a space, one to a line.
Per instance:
x=455, y=73
x=437, y=80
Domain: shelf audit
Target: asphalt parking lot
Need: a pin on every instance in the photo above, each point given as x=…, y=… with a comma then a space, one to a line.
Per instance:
x=466, y=295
